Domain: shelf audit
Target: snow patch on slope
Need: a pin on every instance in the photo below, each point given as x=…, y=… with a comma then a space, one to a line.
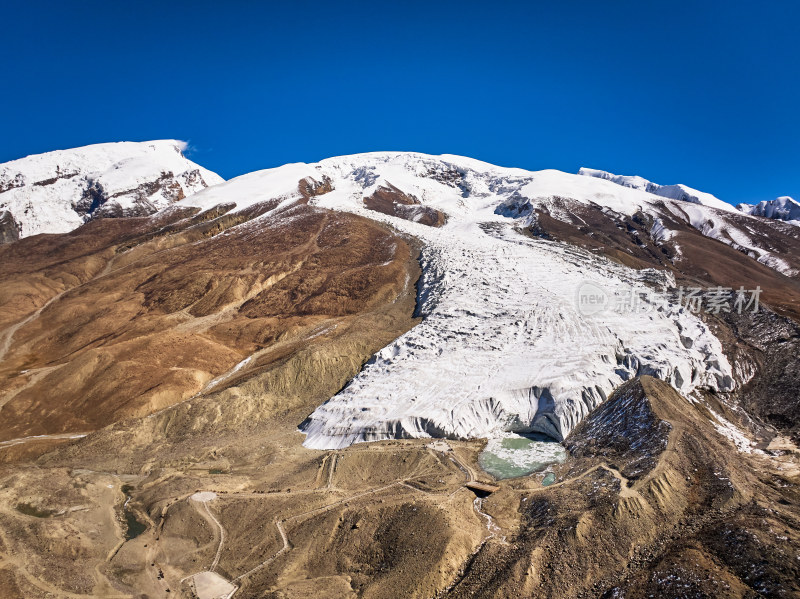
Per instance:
x=732, y=433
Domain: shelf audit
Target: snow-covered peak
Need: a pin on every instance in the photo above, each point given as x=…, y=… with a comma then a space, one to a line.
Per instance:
x=673, y=192
x=255, y=187
x=457, y=187
x=99, y=157
x=454, y=184
x=58, y=191
x=782, y=208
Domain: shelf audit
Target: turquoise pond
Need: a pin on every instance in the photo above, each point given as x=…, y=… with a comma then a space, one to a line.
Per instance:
x=512, y=455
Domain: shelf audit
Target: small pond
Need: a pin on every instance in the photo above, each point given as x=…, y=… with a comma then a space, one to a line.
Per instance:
x=511, y=455
x=133, y=527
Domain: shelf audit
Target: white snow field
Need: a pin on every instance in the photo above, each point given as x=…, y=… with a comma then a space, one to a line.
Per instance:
x=54, y=192
x=503, y=345
x=673, y=192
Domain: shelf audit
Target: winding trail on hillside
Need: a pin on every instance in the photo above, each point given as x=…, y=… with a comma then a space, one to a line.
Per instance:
x=17, y=565
x=8, y=334
x=205, y=497
x=221, y=530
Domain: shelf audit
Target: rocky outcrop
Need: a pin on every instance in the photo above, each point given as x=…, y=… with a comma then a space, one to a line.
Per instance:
x=309, y=187
x=623, y=430
x=9, y=229
x=393, y=202
x=141, y=200
x=9, y=181
x=652, y=503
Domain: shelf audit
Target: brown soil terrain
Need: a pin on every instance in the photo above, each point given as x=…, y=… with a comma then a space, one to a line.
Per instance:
x=281, y=521
x=95, y=335
x=652, y=501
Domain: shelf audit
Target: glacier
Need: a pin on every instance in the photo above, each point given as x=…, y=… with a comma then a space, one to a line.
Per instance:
x=502, y=344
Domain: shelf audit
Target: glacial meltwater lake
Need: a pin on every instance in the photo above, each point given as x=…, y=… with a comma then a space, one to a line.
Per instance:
x=511, y=455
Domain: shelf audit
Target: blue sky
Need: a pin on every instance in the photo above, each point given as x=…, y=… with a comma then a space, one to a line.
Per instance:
x=702, y=93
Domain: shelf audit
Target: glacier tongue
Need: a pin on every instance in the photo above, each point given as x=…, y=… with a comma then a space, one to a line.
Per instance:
x=502, y=345
x=506, y=349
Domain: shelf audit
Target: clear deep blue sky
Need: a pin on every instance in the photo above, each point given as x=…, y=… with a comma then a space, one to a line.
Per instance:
x=703, y=93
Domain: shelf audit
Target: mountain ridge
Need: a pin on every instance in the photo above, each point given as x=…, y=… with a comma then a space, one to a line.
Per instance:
x=493, y=298
x=57, y=191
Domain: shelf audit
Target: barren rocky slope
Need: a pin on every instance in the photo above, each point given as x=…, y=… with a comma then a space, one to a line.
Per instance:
x=652, y=503
x=125, y=334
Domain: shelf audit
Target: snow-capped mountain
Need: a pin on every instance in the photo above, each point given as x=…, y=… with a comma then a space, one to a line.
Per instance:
x=399, y=295
x=58, y=191
x=453, y=185
x=782, y=208
x=503, y=344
